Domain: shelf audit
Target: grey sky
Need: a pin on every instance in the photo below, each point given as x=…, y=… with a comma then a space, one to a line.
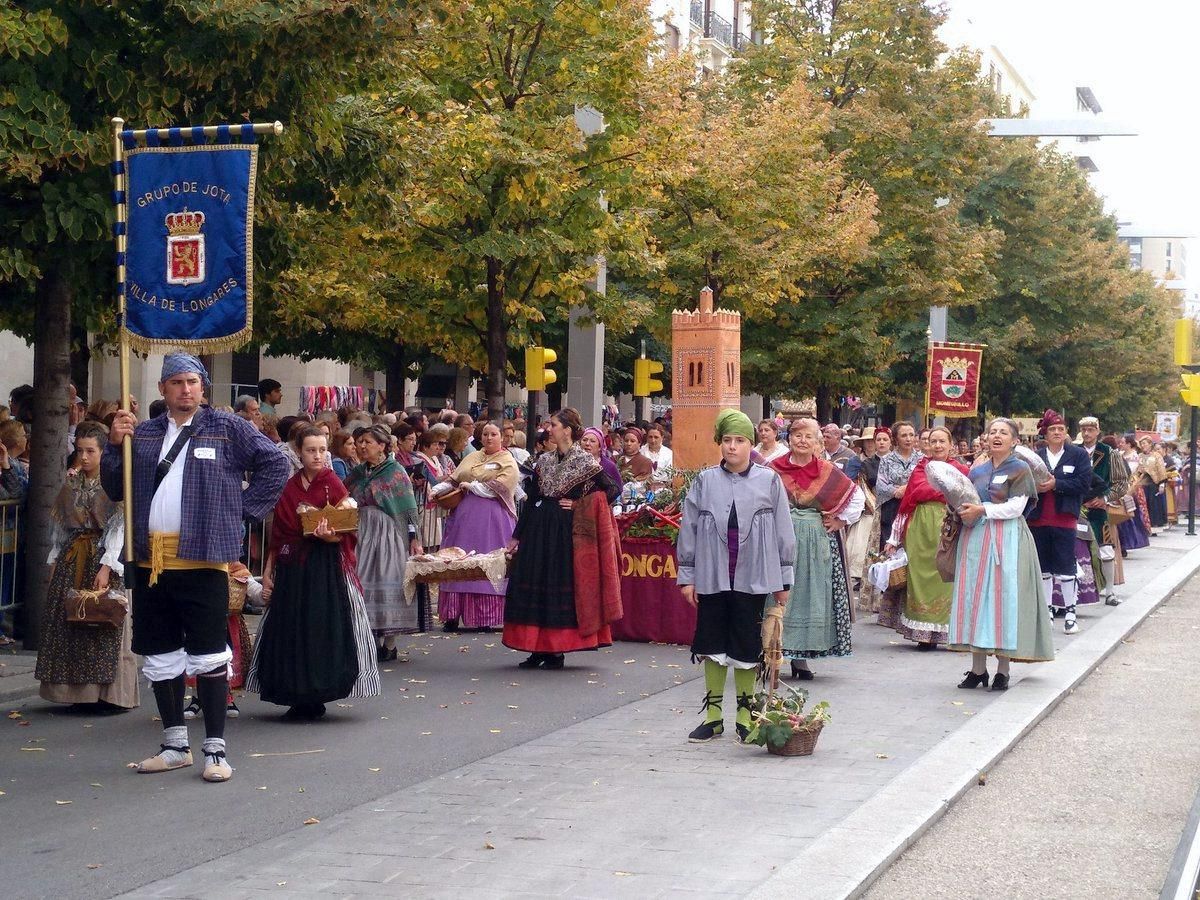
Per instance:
x=1140, y=59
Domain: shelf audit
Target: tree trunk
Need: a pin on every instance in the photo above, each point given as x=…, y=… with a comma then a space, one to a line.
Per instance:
x=497, y=341
x=824, y=404
x=81, y=358
x=397, y=370
x=48, y=445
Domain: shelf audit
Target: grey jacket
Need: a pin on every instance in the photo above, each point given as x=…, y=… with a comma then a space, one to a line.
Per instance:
x=766, y=541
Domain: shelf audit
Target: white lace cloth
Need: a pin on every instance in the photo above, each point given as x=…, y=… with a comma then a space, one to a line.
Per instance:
x=494, y=566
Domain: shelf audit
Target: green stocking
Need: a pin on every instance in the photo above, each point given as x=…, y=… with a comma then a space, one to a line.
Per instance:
x=714, y=684
x=743, y=683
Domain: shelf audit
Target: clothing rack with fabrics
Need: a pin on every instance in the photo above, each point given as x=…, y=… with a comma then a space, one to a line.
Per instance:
x=376, y=401
x=318, y=398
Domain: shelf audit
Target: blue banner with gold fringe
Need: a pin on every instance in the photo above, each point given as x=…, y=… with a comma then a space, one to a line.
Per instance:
x=189, y=244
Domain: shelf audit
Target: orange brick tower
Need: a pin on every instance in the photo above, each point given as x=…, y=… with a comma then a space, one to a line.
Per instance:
x=706, y=377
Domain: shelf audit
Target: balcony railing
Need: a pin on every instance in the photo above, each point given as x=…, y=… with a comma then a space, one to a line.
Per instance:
x=716, y=28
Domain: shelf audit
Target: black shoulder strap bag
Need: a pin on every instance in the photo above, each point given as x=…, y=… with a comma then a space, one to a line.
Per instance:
x=164, y=465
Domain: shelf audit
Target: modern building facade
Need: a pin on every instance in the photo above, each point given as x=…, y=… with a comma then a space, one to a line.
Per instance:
x=1164, y=255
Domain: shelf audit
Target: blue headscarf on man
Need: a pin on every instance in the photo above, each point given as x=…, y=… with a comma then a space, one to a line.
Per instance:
x=181, y=364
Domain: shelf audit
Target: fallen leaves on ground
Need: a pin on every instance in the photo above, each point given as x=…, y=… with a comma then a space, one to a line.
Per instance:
x=487, y=845
x=882, y=756
x=14, y=714
x=34, y=749
x=312, y=820
x=369, y=769
x=95, y=865
x=63, y=802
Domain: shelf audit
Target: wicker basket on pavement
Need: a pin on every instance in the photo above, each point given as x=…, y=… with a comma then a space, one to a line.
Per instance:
x=802, y=743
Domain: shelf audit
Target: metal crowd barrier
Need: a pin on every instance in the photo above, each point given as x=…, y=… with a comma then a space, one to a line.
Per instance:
x=11, y=595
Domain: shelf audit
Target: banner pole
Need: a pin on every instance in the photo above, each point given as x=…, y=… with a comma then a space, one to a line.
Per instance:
x=119, y=234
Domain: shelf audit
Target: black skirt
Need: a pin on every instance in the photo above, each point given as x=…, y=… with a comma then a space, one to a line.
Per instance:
x=306, y=651
x=541, y=585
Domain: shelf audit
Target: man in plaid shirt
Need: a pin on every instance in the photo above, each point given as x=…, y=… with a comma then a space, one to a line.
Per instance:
x=188, y=506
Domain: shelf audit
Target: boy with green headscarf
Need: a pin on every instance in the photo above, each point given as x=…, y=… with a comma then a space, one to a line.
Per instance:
x=736, y=545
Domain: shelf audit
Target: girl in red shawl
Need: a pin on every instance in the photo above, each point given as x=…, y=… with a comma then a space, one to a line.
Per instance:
x=823, y=502
x=314, y=643
x=924, y=616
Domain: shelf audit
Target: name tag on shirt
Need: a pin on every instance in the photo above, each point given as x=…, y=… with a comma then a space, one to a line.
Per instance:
x=205, y=453
x=999, y=479
x=1067, y=470
x=491, y=465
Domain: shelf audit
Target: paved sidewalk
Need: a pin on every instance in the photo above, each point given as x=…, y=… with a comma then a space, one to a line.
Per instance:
x=1092, y=802
x=621, y=806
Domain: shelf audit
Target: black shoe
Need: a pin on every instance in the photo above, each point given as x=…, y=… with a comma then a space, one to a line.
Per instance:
x=801, y=674
x=450, y=626
x=554, y=661
x=702, y=734
x=253, y=609
x=743, y=732
x=973, y=681
x=389, y=655
x=535, y=661
x=1000, y=682
x=192, y=710
x=926, y=646
x=318, y=710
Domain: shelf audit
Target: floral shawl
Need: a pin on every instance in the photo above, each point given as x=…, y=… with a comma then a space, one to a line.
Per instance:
x=387, y=486
x=559, y=474
x=82, y=504
x=996, y=484
x=818, y=485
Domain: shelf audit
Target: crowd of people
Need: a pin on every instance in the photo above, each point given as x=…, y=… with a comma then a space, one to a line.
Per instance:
x=806, y=522
x=1030, y=531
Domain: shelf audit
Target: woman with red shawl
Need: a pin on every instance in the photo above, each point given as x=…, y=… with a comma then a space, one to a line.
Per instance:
x=314, y=643
x=925, y=614
x=823, y=502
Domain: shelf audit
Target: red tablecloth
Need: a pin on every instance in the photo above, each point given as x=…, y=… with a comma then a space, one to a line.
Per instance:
x=654, y=608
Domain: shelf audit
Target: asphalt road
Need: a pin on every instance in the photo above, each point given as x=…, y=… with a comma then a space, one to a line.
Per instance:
x=76, y=822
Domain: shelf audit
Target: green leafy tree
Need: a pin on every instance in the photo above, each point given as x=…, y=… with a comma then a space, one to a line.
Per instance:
x=65, y=69
x=745, y=196
x=1070, y=326
x=906, y=118
x=497, y=203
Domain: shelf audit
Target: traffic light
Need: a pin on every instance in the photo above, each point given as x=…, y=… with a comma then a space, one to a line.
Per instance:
x=1191, y=388
x=537, y=375
x=644, y=382
x=1183, y=342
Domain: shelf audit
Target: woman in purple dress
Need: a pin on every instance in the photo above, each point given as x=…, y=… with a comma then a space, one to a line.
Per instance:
x=483, y=521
